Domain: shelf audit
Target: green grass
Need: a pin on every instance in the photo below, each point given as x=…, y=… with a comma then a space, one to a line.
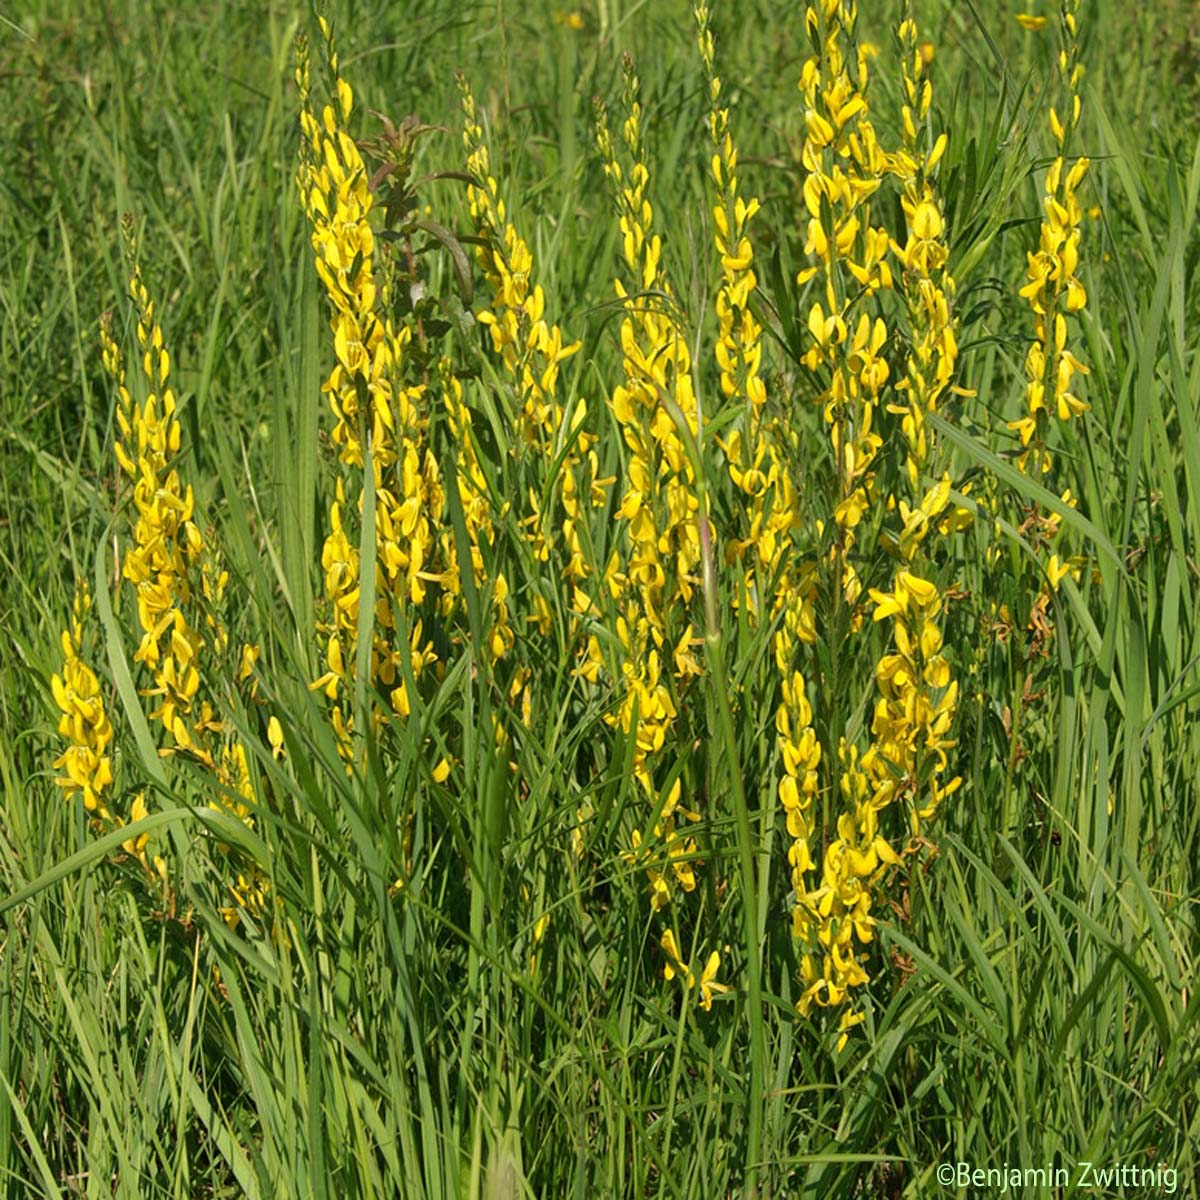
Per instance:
x=1033, y=998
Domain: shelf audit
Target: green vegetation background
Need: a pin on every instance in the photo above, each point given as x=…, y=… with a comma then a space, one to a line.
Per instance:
x=1052, y=1013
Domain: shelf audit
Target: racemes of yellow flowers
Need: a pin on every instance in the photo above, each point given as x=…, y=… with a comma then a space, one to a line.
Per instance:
x=531, y=350
x=84, y=724
x=653, y=585
x=178, y=583
x=843, y=166
x=1054, y=291
x=838, y=873
x=848, y=566
x=379, y=409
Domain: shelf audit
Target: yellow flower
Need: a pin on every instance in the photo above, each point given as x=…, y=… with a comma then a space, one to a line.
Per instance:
x=848, y=1020
x=909, y=589
x=137, y=846
x=275, y=737
x=675, y=964
x=1055, y=570
x=1031, y=22
x=708, y=982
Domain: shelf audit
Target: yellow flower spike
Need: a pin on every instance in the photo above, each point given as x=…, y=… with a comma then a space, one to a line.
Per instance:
x=1054, y=290
x=370, y=388
x=844, y=166
x=179, y=582
x=84, y=723
x=530, y=350
x=927, y=285
x=656, y=566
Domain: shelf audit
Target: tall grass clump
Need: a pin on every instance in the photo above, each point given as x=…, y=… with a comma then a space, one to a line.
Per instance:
x=587, y=621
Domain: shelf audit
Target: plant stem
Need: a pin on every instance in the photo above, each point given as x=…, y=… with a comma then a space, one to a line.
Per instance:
x=716, y=657
x=718, y=678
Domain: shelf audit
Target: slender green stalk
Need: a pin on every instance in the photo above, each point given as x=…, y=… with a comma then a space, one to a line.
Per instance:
x=745, y=847
x=720, y=686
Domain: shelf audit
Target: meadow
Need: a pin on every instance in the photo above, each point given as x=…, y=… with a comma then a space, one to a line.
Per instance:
x=600, y=600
